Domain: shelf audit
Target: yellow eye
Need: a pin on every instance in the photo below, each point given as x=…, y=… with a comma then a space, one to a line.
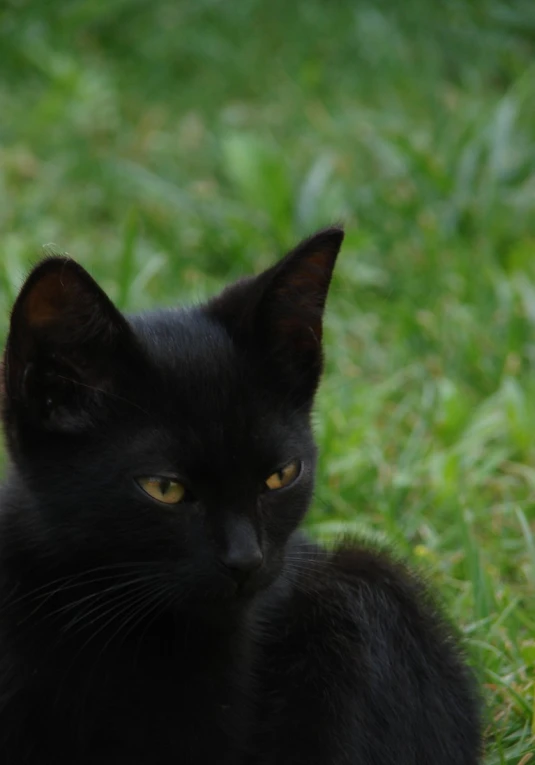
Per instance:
x=284, y=477
x=163, y=489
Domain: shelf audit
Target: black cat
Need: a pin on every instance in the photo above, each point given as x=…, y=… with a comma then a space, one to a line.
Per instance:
x=158, y=605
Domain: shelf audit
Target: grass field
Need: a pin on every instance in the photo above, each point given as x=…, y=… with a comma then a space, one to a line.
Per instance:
x=170, y=146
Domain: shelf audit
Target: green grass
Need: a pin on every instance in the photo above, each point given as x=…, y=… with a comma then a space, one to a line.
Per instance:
x=172, y=146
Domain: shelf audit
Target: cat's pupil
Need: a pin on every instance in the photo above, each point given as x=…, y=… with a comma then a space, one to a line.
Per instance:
x=165, y=485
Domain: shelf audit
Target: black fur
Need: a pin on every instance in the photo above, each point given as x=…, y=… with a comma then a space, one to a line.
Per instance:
x=137, y=633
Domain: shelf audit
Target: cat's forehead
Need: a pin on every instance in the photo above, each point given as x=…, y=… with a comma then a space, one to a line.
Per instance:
x=182, y=338
x=193, y=360
x=208, y=395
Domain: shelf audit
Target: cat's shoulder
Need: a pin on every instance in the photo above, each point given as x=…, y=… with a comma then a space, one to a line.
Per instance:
x=355, y=594
x=353, y=570
x=348, y=639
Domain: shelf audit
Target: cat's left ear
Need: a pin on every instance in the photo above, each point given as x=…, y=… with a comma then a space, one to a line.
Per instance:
x=66, y=347
x=280, y=312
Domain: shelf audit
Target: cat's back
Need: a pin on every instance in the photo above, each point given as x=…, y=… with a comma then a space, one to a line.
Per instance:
x=356, y=665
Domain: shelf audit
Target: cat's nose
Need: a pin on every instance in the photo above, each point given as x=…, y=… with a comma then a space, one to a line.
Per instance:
x=242, y=563
x=243, y=554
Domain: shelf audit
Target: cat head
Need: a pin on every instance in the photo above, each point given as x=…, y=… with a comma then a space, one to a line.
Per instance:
x=178, y=438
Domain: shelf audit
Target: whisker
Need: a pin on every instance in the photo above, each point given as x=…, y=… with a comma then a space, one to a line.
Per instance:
x=127, y=609
x=57, y=591
x=71, y=577
x=101, y=609
x=99, y=594
x=138, y=616
x=166, y=602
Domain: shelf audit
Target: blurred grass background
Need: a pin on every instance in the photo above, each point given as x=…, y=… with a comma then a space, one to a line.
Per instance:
x=170, y=146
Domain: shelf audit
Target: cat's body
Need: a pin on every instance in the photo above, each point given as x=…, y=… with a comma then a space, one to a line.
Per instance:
x=158, y=604
x=335, y=665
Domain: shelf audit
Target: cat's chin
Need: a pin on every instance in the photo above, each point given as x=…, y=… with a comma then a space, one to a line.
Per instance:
x=224, y=610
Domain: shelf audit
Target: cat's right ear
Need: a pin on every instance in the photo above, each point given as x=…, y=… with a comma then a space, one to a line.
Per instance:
x=279, y=313
x=64, y=347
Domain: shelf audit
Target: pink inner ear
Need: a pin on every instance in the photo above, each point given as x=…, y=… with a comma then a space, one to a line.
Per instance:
x=47, y=301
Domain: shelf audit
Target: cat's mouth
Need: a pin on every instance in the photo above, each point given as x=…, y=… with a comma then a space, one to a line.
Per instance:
x=245, y=588
x=256, y=584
